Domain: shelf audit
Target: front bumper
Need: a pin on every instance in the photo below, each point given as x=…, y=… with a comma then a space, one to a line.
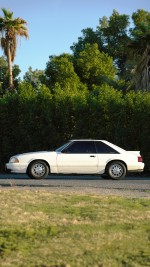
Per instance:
x=16, y=167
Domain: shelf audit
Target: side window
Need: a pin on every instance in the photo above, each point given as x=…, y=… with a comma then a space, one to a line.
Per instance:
x=102, y=148
x=86, y=147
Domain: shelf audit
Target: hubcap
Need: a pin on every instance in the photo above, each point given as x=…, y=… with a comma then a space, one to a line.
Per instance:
x=116, y=170
x=39, y=169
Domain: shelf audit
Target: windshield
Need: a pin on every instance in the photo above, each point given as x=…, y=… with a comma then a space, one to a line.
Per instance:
x=62, y=147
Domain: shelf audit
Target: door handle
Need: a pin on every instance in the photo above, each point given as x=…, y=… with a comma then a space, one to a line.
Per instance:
x=92, y=156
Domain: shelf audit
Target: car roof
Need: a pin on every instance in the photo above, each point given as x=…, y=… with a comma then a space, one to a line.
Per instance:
x=86, y=140
x=104, y=141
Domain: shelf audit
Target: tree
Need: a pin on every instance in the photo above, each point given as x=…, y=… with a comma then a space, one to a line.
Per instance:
x=140, y=49
x=94, y=67
x=34, y=77
x=114, y=32
x=111, y=36
x=4, y=75
x=89, y=37
x=60, y=74
x=10, y=29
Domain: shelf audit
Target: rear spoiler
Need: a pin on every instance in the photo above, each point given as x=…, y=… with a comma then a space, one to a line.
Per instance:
x=135, y=152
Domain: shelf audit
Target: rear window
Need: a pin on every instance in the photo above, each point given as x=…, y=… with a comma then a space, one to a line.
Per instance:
x=102, y=148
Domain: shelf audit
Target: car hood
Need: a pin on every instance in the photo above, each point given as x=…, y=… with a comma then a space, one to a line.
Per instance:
x=37, y=154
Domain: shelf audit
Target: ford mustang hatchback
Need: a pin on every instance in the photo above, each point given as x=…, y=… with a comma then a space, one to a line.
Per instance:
x=78, y=157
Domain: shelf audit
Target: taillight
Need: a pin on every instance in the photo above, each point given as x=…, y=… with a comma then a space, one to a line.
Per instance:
x=140, y=159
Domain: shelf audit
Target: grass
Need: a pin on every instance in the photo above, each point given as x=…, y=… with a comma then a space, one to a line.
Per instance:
x=43, y=229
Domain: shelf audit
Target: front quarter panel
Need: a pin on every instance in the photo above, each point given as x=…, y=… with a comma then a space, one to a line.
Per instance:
x=48, y=157
x=26, y=158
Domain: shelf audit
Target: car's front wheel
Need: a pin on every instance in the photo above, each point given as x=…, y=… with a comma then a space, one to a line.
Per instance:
x=116, y=170
x=38, y=169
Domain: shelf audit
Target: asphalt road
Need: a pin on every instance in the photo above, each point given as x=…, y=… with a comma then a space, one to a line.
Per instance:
x=134, y=186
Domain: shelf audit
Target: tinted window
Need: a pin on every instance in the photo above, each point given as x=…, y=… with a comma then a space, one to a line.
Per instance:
x=59, y=149
x=102, y=148
x=81, y=148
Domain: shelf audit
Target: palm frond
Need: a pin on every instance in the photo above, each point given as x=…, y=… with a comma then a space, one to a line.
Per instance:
x=7, y=13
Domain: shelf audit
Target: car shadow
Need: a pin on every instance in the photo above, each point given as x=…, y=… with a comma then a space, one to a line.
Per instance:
x=137, y=176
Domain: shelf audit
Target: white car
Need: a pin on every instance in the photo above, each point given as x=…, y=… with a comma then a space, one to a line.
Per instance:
x=78, y=157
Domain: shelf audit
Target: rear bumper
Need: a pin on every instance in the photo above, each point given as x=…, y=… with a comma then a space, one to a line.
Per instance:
x=138, y=168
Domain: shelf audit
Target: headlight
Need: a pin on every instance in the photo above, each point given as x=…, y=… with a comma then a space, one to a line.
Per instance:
x=13, y=160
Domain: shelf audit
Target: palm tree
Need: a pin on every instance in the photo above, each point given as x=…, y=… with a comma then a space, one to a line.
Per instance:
x=140, y=51
x=10, y=29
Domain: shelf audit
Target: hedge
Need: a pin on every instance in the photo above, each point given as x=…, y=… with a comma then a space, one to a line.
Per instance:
x=33, y=120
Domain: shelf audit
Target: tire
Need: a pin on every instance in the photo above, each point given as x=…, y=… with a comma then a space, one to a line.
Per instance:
x=38, y=170
x=116, y=170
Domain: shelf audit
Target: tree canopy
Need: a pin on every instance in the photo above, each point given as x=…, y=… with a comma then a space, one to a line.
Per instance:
x=129, y=47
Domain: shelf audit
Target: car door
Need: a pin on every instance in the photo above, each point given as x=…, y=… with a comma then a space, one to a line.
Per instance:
x=80, y=157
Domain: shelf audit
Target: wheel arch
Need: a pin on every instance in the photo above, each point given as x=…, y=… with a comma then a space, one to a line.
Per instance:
x=114, y=160
x=34, y=160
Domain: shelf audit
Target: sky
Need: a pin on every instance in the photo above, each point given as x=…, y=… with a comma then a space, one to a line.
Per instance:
x=54, y=25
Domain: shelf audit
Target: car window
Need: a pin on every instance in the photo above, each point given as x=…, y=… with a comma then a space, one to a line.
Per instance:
x=59, y=149
x=102, y=148
x=86, y=147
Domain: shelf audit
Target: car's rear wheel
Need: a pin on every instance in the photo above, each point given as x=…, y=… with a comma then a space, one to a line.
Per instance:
x=38, y=169
x=116, y=170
